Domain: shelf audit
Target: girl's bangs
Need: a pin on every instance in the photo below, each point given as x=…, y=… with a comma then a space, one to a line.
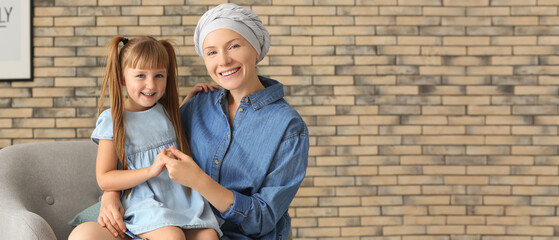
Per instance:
x=147, y=55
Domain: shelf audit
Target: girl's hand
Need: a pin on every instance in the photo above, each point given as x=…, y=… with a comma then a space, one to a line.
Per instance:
x=111, y=213
x=182, y=168
x=198, y=88
x=158, y=165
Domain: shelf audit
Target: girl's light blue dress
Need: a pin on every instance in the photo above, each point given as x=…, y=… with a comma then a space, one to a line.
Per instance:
x=159, y=201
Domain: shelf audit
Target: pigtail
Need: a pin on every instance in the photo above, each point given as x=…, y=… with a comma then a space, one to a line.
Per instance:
x=171, y=100
x=113, y=79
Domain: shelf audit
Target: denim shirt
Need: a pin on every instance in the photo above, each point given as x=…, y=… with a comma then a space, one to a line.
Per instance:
x=261, y=157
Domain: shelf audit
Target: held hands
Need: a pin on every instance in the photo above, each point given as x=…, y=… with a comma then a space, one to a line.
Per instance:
x=158, y=165
x=181, y=167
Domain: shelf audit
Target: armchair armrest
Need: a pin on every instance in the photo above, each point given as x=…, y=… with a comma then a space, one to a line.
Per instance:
x=16, y=222
x=22, y=224
x=43, y=185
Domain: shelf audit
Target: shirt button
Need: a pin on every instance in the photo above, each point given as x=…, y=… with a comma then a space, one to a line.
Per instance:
x=241, y=110
x=228, y=136
x=216, y=162
x=246, y=100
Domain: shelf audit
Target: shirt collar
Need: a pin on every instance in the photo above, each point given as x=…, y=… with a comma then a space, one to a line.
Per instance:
x=273, y=91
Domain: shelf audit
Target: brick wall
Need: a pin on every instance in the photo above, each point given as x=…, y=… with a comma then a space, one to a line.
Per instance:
x=430, y=119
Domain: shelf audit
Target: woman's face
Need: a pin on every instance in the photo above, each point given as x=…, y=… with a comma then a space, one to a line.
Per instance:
x=230, y=60
x=144, y=87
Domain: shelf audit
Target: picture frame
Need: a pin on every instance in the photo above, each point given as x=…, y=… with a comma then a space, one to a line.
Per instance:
x=16, y=40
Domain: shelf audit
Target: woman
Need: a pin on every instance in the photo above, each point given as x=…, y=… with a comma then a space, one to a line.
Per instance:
x=249, y=147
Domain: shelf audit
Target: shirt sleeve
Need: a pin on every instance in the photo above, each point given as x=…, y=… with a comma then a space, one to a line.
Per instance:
x=258, y=214
x=103, y=127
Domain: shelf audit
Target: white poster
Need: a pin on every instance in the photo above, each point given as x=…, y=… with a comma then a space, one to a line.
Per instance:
x=15, y=40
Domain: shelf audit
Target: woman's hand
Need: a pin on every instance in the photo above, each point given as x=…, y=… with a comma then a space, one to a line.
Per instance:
x=182, y=168
x=185, y=171
x=198, y=88
x=111, y=213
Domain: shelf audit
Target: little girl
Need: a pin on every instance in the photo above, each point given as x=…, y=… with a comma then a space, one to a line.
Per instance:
x=133, y=135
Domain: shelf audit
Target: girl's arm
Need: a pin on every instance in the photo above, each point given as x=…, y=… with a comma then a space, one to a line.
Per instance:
x=111, y=179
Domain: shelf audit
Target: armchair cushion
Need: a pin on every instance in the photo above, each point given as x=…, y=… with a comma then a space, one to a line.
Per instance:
x=90, y=214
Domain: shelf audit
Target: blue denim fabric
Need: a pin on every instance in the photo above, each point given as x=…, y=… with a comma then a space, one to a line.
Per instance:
x=261, y=157
x=159, y=201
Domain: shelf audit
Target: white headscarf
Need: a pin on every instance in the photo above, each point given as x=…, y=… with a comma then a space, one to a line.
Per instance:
x=234, y=17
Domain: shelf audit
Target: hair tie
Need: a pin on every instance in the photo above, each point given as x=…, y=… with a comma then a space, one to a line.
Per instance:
x=124, y=41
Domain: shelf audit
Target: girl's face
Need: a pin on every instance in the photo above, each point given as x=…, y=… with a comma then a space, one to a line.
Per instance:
x=230, y=60
x=145, y=87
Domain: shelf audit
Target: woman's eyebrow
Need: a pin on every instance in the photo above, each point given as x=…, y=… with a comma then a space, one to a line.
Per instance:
x=228, y=42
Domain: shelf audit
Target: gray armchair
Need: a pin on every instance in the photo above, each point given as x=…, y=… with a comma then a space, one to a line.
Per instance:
x=42, y=187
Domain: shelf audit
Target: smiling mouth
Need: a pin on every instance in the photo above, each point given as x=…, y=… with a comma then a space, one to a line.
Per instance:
x=148, y=94
x=227, y=73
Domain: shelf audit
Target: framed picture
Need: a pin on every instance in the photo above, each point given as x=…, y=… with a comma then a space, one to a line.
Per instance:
x=16, y=46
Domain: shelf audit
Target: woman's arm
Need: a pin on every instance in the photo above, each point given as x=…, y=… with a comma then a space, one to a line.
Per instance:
x=258, y=214
x=186, y=172
x=111, y=179
x=198, y=88
x=255, y=214
x=111, y=214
